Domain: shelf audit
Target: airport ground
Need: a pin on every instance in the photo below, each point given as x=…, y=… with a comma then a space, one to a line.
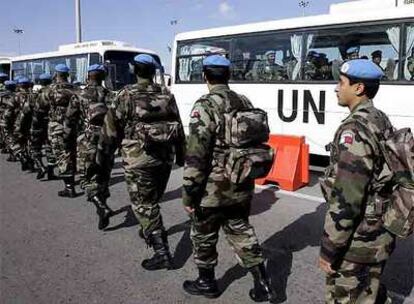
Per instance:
x=52, y=252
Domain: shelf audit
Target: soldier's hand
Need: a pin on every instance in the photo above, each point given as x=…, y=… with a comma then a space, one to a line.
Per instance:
x=325, y=266
x=189, y=209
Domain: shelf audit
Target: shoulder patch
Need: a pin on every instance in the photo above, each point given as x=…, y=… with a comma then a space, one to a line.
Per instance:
x=347, y=137
x=195, y=114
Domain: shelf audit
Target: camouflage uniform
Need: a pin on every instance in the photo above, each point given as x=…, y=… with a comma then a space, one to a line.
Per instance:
x=12, y=110
x=354, y=240
x=84, y=119
x=217, y=201
x=146, y=169
x=53, y=103
x=26, y=99
x=3, y=95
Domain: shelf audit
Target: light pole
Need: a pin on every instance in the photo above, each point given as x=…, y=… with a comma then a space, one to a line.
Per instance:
x=303, y=5
x=78, y=21
x=18, y=32
x=173, y=23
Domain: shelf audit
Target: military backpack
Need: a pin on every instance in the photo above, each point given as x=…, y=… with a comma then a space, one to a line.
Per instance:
x=244, y=130
x=394, y=191
x=155, y=119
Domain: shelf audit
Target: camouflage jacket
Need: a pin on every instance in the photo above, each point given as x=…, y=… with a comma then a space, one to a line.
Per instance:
x=119, y=129
x=12, y=109
x=26, y=101
x=57, y=99
x=204, y=181
x=86, y=111
x=4, y=96
x=40, y=118
x=353, y=227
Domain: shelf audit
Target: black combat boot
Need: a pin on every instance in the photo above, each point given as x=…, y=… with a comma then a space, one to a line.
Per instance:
x=161, y=259
x=69, y=190
x=262, y=291
x=51, y=172
x=103, y=211
x=41, y=170
x=205, y=285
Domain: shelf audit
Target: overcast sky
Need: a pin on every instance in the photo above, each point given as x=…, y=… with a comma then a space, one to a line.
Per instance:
x=49, y=23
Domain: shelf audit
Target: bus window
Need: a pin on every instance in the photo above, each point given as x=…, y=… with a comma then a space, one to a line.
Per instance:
x=118, y=63
x=190, y=57
x=409, y=51
x=328, y=49
x=267, y=58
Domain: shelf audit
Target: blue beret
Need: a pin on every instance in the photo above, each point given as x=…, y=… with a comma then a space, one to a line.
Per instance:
x=62, y=68
x=362, y=69
x=23, y=80
x=216, y=60
x=9, y=83
x=352, y=49
x=96, y=68
x=146, y=59
x=45, y=76
x=4, y=75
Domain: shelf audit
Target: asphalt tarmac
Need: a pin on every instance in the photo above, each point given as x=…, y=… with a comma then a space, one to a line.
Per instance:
x=52, y=252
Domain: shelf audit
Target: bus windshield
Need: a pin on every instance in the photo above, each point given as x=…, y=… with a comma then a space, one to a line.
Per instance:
x=117, y=63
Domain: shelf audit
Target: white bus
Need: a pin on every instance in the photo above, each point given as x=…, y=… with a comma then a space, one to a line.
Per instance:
x=306, y=56
x=115, y=55
x=5, y=65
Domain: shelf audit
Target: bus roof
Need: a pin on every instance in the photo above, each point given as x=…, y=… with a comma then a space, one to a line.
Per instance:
x=339, y=14
x=85, y=47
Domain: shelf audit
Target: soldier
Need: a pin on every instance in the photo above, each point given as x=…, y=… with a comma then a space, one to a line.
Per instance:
x=39, y=129
x=355, y=246
x=352, y=53
x=210, y=197
x=89, y=109
x=377, y=58
x=6, y=101
x=22, y=147
x=145, y=122
x=3, y=91
x=53, y=103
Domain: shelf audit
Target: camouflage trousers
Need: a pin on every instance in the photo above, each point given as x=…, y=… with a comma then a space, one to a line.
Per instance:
x=87, y=146
x=356, y=284
x=146, y=187
x=234, y=219
x=55, y=135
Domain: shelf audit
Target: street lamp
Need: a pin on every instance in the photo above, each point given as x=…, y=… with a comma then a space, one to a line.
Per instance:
x=173, y=23
x=303, y=5
x=18, y=32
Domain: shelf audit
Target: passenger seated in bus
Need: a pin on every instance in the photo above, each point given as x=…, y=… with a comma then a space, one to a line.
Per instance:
x=317, y=67
x=376, y=57
x=410, y=64
x=269, y=70
x=239, y=65
x=352, y=53
x=289, y=64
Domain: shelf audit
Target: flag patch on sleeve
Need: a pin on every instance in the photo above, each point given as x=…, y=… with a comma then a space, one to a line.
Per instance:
x=195, y=114
x=347, y=138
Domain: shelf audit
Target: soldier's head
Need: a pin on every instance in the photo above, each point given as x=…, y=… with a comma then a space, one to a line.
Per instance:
x=96, y=73
x=376, y=57
x=45, y=79
x=270, y=57
x=216, y=69
x=3, y=77
x=145, y=66
x=359, y=80
x=24, y=83
x=352, y=53
x=62, y=72
x=10, y=85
